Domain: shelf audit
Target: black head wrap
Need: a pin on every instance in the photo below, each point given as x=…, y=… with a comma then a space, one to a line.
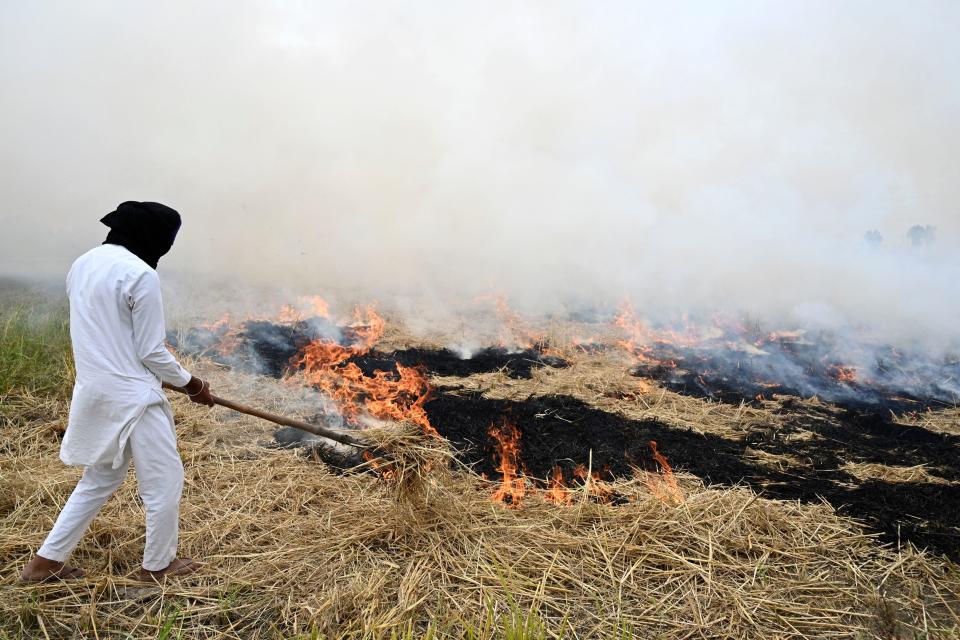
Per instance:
x=146, y=229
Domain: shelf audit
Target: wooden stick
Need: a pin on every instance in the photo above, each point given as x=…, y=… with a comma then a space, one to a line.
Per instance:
x=316, y=429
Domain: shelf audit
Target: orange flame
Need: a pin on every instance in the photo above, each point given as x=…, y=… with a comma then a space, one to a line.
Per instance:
x=636, y=333
x=585, y=345
x=640, y=339
x=558, y=493
x=316, y=306
x=384, y=395
x=306, y=307
x=518, y=333
x=228, y=335
x=222, y=323
x=663, y=485
x=386, y=471
x=599, y=489
x=513, y=486
x=841, y=373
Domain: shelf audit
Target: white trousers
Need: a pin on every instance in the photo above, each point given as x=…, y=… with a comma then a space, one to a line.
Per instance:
x=153, y=447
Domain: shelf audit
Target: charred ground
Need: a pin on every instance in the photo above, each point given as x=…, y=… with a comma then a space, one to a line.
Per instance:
x=444, y=362
x=734, y=370
x=270, y=348
x=560, y=430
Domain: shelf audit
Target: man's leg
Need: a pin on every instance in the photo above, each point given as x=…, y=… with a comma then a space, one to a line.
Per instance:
x=160, y=481
x=96, y=485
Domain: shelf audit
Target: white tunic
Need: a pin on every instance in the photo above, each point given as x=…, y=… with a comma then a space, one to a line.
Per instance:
x=118, y=331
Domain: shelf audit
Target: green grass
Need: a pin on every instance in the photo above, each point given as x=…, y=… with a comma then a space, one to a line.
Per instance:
x=35, y=354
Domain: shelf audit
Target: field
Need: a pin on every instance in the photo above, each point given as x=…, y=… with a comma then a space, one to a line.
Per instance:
x=742, y=547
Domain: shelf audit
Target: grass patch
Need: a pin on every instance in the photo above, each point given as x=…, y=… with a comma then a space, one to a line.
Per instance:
x=35, y=355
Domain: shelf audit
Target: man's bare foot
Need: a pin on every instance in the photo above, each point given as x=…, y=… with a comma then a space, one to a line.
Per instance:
x=39, y=569
x=179, y=567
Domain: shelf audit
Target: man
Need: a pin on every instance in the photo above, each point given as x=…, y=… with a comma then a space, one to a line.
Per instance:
x=119, y=411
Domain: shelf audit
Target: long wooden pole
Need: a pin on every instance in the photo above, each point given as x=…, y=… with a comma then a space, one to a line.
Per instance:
x=316, y=429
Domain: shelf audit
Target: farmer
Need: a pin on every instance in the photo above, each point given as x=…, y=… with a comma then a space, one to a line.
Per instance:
x=118, y=411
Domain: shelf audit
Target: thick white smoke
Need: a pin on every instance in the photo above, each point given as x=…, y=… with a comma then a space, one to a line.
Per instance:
x=691, y=155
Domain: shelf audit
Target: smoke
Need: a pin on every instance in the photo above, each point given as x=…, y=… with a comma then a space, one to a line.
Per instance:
x=691, y=157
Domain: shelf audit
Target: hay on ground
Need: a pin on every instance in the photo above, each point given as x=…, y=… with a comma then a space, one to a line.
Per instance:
x=295, y=548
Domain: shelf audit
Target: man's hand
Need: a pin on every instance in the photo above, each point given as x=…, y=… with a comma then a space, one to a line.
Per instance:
x=199, y=391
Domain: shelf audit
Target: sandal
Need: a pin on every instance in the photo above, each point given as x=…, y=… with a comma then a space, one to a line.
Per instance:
x=179, y=567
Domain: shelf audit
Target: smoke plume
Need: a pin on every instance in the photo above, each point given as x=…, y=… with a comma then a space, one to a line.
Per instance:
x=691, y=157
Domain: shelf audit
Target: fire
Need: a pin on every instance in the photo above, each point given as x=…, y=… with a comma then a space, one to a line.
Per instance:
x=641, y=339
x=366, y=329
x=316, y=306
x=517, y=332
x=218, y=325
x=594, y=483
x=289, y=314
x=627, y=321
x=558, y=492
x=512, y=486
x=589, y=344
x=841, y=373
x=306, y=307
x=229, y=332
x=228, y=335
x=386, y=471
x=384, y=395
x=663, y=485
x=778, y=336
x=368, y=326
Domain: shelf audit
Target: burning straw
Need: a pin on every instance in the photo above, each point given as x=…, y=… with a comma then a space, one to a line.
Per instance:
x=411, y=462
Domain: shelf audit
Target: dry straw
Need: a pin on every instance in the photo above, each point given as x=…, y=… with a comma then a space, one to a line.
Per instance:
x=294, y=548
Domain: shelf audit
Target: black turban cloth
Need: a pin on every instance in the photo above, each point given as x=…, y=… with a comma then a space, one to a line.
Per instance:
x=146, y=229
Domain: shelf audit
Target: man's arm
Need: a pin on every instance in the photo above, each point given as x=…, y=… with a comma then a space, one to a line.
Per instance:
x=149, y=334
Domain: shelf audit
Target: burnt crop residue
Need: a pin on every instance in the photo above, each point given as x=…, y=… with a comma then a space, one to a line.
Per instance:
x=270, y=348
x=822, y=448
x=564, y=431
x=257, y=346
x=886, y=379
x=444, y=362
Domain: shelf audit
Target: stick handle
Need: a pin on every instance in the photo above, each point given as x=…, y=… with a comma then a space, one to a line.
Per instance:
x=315, y=429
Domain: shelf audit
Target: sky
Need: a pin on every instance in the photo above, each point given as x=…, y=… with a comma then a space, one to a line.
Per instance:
x=689, y=155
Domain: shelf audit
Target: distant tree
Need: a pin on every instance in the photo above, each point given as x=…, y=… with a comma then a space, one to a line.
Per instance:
x=873, y=238
x=922, y=235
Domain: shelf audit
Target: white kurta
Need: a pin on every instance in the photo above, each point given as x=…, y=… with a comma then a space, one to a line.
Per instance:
x=118, y=332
